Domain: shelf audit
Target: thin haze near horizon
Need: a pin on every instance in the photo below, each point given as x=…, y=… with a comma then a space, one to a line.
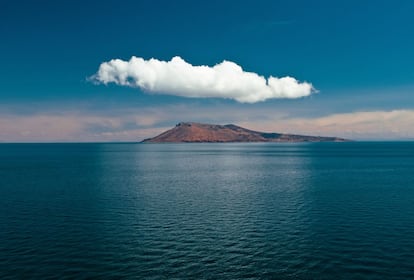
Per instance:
x=124, y=71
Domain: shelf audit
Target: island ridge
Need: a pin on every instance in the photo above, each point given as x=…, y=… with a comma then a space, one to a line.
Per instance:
x=192, y=132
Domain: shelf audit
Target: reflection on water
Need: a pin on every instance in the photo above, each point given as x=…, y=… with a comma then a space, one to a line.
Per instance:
x=321, y=210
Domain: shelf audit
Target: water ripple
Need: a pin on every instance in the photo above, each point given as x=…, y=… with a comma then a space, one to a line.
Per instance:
x=222, y=211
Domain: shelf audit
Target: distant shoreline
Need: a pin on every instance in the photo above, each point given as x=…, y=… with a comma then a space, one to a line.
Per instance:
x=191, y=132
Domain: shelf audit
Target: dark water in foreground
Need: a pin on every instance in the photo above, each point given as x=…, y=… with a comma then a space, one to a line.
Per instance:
x=207, y=211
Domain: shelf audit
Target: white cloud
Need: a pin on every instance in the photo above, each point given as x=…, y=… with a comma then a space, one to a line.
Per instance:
x=386, y=125
x=71, y=127
x=177, y=77
x=78, y=126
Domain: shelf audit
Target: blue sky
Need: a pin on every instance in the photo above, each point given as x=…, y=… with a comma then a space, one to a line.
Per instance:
x=358, y=55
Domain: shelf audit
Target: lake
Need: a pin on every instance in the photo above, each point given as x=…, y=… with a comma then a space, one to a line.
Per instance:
x=207, y=211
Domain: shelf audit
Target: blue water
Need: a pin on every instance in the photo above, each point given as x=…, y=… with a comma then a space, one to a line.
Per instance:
x=207, y=211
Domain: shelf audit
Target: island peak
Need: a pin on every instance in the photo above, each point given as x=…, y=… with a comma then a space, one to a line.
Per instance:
x=193, y=132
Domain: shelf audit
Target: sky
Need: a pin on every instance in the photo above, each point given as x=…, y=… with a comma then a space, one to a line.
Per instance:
x=96, y=71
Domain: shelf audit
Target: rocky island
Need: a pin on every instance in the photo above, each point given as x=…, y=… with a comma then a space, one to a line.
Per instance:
x=191, y=132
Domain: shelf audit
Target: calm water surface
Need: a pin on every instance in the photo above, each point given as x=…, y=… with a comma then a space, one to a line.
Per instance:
x=207, y=211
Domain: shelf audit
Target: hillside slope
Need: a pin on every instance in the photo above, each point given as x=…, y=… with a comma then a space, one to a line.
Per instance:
x=198, y=132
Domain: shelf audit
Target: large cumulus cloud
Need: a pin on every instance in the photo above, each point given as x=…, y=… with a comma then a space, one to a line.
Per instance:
x=180, y=78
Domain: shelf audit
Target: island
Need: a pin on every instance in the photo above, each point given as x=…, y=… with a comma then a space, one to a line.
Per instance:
x=192, y=132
